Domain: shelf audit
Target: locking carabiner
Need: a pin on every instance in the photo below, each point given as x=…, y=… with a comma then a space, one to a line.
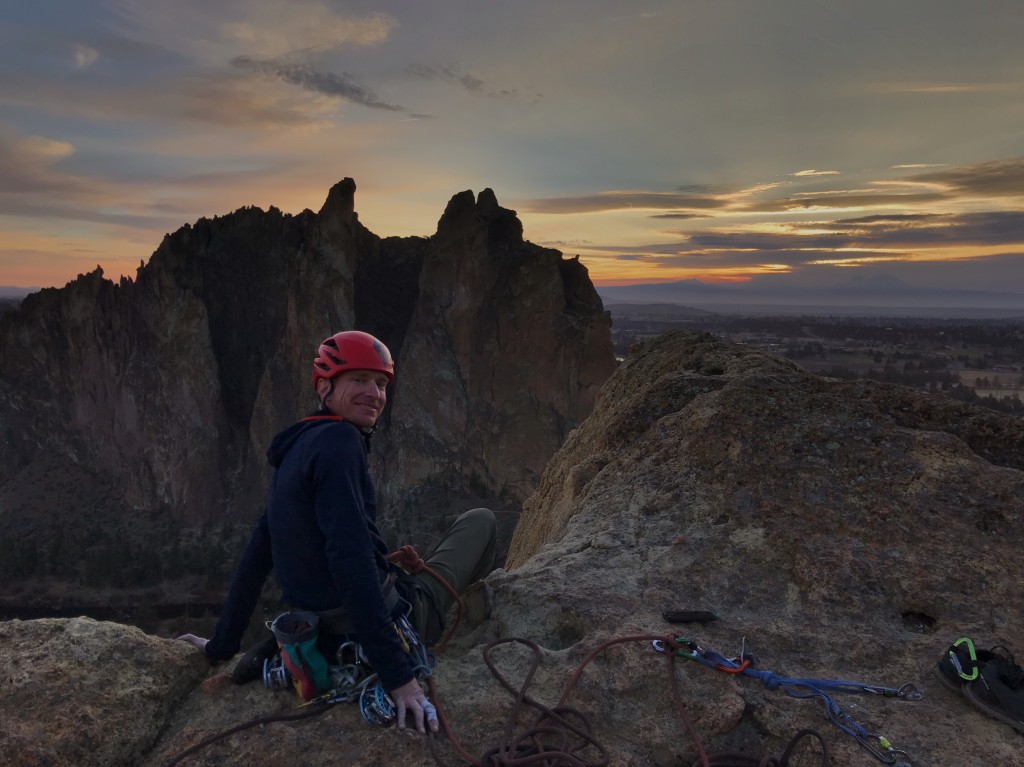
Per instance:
x=697, y=651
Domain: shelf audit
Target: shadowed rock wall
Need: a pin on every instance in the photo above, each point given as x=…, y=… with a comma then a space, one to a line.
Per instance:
x=158, y=396
x=505, y=352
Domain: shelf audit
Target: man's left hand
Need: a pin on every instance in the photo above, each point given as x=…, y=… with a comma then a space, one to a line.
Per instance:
x=410, y=698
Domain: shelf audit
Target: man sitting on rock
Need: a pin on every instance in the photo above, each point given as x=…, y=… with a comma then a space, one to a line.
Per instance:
x=319, y=534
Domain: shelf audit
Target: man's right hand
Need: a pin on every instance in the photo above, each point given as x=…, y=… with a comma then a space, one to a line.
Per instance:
x=192, y=639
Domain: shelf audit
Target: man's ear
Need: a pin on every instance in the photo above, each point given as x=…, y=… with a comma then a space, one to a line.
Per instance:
x=323, y=386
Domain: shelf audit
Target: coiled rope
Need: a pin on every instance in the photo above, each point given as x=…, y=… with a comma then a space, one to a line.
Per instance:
x=563, y=736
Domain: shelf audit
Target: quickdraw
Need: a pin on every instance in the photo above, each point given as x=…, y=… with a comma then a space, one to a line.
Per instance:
x=877, y=745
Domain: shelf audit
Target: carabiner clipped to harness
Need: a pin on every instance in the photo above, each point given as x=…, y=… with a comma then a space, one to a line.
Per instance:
x=376, y=705
x=275, y=675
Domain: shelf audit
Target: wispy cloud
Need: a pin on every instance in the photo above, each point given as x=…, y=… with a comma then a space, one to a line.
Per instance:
x=990, y=180
x=977, y=229
x=945, y=88
x=900, y=232
x=908, y=219
x=305, y=76
x=756, y=261
x=850, y=242
x=608, y=201
x=679, y=216
x=999, y=178
x=1002, y=178
x=848, y=201
x=812, y=172
x=28, y=166
x=454, y=76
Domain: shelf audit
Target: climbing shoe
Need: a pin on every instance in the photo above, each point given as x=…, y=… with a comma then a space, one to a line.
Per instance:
x=999, y=691
x=250, y=667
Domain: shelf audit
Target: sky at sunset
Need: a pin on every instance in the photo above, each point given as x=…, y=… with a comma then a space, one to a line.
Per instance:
x=725, y=140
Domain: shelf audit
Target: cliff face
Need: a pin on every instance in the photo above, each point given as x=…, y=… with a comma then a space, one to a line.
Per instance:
x=505, y=351
x=157, y=397
x=838, y=531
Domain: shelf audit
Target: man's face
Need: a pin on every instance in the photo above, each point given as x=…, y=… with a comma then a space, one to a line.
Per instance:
x=358, y=396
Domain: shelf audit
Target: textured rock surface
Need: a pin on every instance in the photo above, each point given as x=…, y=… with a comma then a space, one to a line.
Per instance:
x=82, y=692
x=153, y=400
x=845, y=530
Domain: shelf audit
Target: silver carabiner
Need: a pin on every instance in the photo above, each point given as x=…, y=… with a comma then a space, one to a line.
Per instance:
x=886, y=754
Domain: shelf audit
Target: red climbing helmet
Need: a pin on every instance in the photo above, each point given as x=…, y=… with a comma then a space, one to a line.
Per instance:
x=351, y=350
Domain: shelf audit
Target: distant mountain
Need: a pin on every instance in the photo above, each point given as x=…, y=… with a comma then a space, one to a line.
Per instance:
x=881, y=294
x=13, y=291
x=664, y=292
x=875, y=282
x=654, y=311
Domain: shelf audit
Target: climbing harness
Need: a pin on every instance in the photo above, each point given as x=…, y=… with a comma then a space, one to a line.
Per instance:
x=354, y=679
x=349, y=678
x=801, y=687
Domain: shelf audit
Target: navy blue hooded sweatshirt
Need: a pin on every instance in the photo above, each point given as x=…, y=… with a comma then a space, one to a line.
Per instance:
x=319, y=533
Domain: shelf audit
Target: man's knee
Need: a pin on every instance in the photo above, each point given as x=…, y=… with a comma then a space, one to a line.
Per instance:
x=480, y=519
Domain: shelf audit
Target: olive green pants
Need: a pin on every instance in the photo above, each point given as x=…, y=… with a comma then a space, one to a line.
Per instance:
x=464, y=554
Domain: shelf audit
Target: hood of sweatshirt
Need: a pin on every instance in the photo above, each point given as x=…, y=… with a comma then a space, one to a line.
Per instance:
x=283, y=442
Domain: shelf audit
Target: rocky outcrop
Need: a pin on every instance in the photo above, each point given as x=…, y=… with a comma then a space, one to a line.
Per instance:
x=838, y=530
x=506, y=350
x=157, y=397
x=846, y=530
x=83, y=692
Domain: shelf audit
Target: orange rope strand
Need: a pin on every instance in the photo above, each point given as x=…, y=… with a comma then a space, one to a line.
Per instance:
x=407, y=558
